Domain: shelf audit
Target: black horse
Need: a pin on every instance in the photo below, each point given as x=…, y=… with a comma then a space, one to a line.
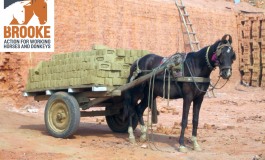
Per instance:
x=197, y=67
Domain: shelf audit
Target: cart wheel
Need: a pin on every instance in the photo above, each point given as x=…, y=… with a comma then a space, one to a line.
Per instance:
x=117, y=124
x=62, y=115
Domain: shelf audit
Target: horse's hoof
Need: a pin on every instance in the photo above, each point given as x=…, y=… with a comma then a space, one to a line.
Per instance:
x=132, y=140
x=143, y=138
x=197, y=148
x=183, y=149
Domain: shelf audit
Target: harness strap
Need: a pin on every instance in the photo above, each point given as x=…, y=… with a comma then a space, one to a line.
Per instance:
x=193, y=79
x=207, y=59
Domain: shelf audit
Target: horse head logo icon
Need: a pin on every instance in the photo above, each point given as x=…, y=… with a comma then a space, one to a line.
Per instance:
x=26, y=12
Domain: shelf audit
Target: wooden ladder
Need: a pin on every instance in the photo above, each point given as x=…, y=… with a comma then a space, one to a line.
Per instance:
x=193, y=40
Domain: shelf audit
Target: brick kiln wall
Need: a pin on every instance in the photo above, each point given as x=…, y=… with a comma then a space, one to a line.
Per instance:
x=152, y=25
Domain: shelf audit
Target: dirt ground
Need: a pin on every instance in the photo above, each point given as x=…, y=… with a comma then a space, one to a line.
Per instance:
x=232, y=126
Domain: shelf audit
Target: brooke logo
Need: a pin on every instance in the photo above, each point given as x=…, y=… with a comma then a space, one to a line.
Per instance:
x=27, y=26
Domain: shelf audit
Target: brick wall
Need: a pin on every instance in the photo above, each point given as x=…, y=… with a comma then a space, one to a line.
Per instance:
x=152, y=25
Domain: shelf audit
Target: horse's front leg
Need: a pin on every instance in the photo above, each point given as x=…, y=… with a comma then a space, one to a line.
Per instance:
x=195, y=121
x=184, y=123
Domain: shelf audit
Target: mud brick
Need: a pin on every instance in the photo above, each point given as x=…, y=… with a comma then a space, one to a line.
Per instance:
x=37, y=78
x=100, y=52
x=108, y=81
x=53, y=69
x=64, y=68
x=96, y=47
x=113, y=74
x=127, y=53
x=89, y=59
x=55, y=56
x=52, y=83
x=125, y=73
x=70, y=75
x=86, y=80
x=119, y=60
x=85, y=66
x=77, y=74
x=111, y=51
x=255, y=45
x=97, y=80
x=40, y=85
x=37, y=70
x=120, y=52
x=116, y=66
x=48, y=77
x=92, y=72
x=246, y=33
x=133, y=59
x=263, y=72
x=71, y=81
x=109, y=57
x=53, y=76
x=125, y=67
x=78, y=81
x=74, y=67
x=100, y=58
x=263, y=32
x=91, y=53
x=104, y=66
x=254, y=83
x=127, y=60
x=102, y=73
x=44, y=70
x=67, y=61
x=133, y=53
x=45, y=64
x=256, y=61
x=78, y=66
x=118, y=81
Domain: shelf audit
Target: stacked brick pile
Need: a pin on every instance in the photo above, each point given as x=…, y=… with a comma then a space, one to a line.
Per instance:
x=252, y=49
x=100, y=66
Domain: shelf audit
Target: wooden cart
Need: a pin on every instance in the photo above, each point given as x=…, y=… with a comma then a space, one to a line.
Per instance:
x=66, y=105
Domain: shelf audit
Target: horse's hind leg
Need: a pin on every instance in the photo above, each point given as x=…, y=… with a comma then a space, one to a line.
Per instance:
x=195, y=121
x=140, y=110
x=130, y=130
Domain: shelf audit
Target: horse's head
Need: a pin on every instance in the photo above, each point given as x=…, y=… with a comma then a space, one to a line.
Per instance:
x=40, y=10
x=19, y=13
x=225, y=56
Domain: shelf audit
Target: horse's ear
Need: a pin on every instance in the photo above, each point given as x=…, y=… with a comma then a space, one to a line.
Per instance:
x=230, y=38
x=225, y=40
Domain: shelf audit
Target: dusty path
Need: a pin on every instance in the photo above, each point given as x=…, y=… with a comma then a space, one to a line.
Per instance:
x=232, y=126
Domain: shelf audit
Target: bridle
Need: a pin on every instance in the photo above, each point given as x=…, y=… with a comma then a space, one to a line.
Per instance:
x=216, y=55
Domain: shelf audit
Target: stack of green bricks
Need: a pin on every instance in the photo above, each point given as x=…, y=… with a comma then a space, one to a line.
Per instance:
x=100, y=66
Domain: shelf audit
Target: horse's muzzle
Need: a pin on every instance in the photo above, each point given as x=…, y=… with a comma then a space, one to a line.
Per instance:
x=226, y=72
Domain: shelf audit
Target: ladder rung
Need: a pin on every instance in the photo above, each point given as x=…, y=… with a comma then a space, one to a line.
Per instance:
x=188, y=23
x=195, y=42
x=192, y=32
x=181, y=7
x=186, y=14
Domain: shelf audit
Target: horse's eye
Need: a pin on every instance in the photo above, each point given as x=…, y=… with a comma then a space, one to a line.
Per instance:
x=221, y=59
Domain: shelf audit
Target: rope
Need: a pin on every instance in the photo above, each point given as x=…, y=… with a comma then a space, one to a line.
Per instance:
x=213, y=86
x=168, y=85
